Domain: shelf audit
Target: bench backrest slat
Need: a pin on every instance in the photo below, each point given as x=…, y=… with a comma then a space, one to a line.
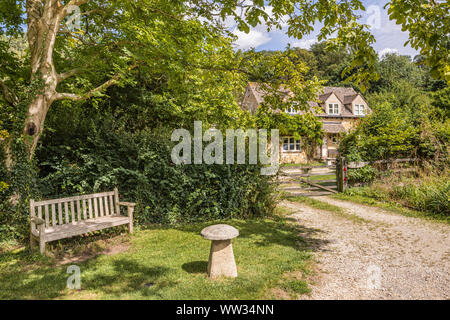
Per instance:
x=72, y=212
x=102, y=209
x=40, y=212
x=83, y=205
x=60, y=217
x=53, y=214
x=116, y=199
x=95, y=207
x=66, y=212
x=78, y=210
x=106, y=206
x=111, y=205
x=90, y=208
x=47, y=218
x=68, y=199
x=74, y=209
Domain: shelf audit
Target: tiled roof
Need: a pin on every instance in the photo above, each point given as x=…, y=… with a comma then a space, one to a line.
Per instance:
x=345, y=95
x=340, y=92
x=349, y=99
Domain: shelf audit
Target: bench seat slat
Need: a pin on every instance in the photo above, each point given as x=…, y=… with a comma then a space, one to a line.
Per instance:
x=82, y=227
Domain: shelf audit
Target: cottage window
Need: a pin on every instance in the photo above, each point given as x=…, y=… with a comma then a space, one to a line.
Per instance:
x=333, y=108
x=291, y=144
x=359, y=109
x=291, y=110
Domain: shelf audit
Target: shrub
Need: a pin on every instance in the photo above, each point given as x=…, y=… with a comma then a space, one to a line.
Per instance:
x=432, y=196
x=366, y=174
x=427, y=193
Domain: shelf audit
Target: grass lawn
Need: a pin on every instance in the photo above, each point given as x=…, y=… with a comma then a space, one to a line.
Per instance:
x=326, y=177
x=309, y=164
x=271, y=257
x=324, y=206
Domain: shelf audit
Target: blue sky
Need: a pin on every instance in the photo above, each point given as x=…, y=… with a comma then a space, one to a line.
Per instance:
x=388, y=35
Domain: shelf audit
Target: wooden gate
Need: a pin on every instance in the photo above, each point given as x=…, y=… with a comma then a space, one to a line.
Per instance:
x=300, y=180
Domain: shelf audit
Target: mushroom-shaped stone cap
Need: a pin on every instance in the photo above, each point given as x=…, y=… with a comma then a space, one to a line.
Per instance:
x=219, y=232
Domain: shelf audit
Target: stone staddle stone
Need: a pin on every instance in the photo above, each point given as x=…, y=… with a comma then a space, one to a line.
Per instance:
x=221, y=258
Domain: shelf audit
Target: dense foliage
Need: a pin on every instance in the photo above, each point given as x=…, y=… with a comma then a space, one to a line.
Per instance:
x=409, y=119
x=131, y=73
x=97, y=154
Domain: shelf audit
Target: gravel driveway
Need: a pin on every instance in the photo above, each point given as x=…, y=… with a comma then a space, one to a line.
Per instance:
x=370, y=253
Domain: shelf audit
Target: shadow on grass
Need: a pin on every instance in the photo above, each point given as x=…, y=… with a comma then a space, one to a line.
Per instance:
x=127, y=276
x=195, y=266
x=266, y=232
x=120, y=277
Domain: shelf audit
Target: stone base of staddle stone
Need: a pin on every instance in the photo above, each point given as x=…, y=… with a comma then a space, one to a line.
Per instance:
x=221, y=260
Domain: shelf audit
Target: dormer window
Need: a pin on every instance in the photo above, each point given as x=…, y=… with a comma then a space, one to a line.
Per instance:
x=333, y=108
x=359, y=109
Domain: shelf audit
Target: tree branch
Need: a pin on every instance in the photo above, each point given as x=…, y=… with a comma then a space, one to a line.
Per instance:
x=63, y=76
x=75, y=3
x=89, y=94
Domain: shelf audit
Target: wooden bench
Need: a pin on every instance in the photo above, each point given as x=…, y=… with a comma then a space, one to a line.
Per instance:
x=67, y=217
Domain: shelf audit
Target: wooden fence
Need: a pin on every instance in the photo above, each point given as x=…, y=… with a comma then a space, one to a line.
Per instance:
x=343, y=167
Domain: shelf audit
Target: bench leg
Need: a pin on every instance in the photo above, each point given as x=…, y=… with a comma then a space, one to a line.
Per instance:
x=42, y=247
x=41, y=239
x=130, y=216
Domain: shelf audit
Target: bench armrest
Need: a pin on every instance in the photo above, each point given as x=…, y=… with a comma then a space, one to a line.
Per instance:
x=128, y=204
x=37, y=221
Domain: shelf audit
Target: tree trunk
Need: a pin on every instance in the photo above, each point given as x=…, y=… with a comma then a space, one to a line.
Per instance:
x=34, y=123
x=43, y=19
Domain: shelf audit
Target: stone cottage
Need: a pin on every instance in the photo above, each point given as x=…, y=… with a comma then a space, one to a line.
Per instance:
x=339, y=109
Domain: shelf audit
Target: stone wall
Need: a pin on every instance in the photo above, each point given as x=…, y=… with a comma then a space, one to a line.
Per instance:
x=293, y=157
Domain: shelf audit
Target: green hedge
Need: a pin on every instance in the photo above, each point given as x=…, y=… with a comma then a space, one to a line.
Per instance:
x=139, y=164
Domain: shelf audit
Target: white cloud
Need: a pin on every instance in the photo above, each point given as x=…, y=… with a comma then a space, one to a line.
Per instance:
x=253, y=39
x=386, y=51
x=304, y=44
x=283, y=20
x=257, y=35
